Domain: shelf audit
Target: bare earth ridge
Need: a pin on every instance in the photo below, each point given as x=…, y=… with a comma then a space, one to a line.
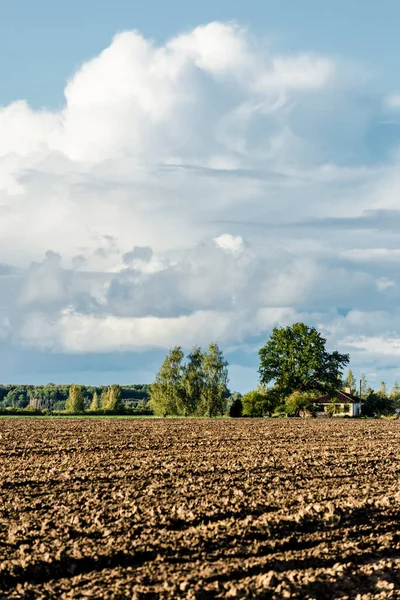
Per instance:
x=187, y=508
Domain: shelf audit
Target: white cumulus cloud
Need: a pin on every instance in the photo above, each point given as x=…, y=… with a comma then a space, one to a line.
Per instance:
x=197, y=189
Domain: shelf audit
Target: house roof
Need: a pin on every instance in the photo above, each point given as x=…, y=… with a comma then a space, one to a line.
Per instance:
x=342, y=397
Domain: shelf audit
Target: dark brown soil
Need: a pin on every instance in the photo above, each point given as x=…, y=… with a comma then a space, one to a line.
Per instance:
x=174, y=508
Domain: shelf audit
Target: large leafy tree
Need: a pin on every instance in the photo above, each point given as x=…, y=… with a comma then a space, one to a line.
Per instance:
x=215, y=377
x=395, y=394
x=74, y=404
x=111, y=399
x=198, y=387
x=192, y=382
x=296, y=359
x=95, y=402
x=167, y=391
x=351, y=382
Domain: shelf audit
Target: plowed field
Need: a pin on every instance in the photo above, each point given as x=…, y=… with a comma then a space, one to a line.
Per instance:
x=175, y=508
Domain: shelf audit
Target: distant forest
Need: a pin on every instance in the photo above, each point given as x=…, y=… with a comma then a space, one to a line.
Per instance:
x=295, y=370
x=52, y=397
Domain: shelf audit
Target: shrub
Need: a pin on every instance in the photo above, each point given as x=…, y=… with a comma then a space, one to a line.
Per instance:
x=28, y=411
x=236, y=408
x=253, y=404
x=299, y=404
x=280, y=410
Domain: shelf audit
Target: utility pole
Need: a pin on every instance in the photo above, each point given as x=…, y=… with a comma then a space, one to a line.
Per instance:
x=360, y=397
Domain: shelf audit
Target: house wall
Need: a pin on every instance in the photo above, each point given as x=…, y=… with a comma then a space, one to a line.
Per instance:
x=352, y=411
x=348, y=412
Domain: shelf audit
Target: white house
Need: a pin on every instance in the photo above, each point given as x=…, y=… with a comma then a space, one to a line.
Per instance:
x=344, y=401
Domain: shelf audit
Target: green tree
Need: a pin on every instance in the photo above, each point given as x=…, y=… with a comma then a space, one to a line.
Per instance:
x=192, y=383
x=299, y=404
x=16, y=398
x=113, y=398
x=382, y=392
x=95, y=405
x=376, y=405
x=235, y=405
x=254, y=403
x=395, y=395
x=104, y=398
x=334, y=408
x=295, y=358
x=260, y=402
x=167, y=390
x=214, y=391
x=351, y=382
x=363, y=386
x=74, y=404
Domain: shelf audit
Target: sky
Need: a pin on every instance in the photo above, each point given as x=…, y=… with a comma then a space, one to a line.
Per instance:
x=177, y=174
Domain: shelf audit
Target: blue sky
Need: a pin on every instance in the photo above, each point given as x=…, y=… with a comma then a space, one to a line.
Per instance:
x=43, y=42
x=173, y=173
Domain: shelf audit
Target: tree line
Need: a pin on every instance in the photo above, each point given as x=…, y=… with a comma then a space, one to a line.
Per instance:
x=195, y=386
x=295, y=369
x=56, y=398
x=109, y=400
x=265, y=402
